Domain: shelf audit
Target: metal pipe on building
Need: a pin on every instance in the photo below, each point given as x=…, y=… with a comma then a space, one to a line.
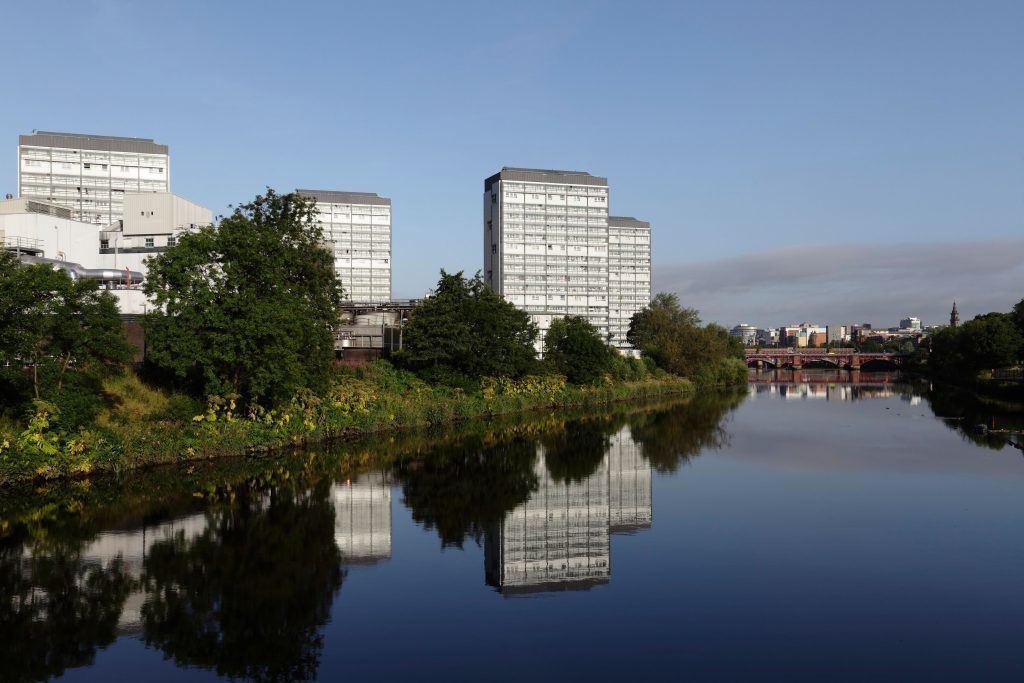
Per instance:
x=77, y=271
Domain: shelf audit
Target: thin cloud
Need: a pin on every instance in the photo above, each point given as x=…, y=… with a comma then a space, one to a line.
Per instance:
x=855, y=282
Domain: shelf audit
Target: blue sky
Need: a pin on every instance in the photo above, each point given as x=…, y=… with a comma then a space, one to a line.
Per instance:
x=763, y=139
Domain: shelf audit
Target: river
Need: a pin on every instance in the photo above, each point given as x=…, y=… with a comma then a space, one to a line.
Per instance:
x=817, y=527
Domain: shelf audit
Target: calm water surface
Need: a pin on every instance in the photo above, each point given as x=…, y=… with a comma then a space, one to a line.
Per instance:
x=810, y=528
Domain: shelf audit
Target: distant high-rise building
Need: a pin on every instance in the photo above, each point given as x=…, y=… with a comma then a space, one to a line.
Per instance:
x=910, y=323
x=629, y=274
x=546, y=243
x=954, y=317
x=358, y=224
x=745, y=333
x=90, y=174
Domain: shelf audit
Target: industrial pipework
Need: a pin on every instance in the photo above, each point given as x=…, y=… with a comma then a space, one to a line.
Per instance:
x=77, y=271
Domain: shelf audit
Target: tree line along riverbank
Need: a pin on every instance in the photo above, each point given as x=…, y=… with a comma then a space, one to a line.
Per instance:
x=240, y=351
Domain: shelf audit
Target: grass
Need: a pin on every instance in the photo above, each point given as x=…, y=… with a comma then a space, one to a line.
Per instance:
x=143, y=426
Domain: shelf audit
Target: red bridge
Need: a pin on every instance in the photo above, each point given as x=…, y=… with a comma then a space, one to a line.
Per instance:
x=850, y=359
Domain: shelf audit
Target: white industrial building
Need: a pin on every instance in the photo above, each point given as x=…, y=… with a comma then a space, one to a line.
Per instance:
x=358, y=225
x=113, y=255
x=90, y=174
x=151, y=223
x=548, y=250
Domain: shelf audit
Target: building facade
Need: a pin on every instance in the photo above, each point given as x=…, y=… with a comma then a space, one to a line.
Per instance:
x=910, y=323
x=90, y=174
x=546, y=243
x=629, y=274
x=358, y=224
x=114, y=255
x=152, y=222
x=745, y=333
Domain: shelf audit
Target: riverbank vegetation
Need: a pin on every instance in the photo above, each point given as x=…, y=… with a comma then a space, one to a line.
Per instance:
x=278, y=513
x=240, y=356
x=986, y=352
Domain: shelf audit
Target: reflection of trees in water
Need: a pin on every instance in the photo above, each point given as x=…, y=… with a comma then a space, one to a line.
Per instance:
x=56, y=608
x=574, y=453
x=962, y=411
x=462, y=489
x=248, y=596
x=670, y=438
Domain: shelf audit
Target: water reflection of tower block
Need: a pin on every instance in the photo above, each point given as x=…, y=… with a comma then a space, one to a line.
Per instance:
x=557, y=540
x=362, y=518
x=629, y=476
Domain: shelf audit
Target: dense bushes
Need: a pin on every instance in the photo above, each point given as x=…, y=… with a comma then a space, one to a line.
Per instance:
x=58, y=338
x=144, y=426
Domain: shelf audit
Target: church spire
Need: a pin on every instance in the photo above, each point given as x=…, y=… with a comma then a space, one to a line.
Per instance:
x=954, y=317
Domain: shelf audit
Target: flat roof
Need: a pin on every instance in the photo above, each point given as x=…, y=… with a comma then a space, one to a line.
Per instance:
x=541, y=175
x=627, y=222
x=104, y=143
x=342, y=197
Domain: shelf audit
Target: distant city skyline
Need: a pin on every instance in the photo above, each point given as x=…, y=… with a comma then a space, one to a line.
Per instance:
x=742, y=132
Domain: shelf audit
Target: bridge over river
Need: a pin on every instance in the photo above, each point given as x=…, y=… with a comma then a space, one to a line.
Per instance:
x=850, y=359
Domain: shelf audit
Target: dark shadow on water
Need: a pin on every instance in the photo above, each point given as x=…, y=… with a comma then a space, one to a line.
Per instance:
x=248, y=596
x=987, y=422
x=57, y=608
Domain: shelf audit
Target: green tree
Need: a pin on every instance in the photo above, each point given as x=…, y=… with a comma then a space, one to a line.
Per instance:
x=1018, y=316
x=466, y=331
x=573, y=347
x=991, y=340
x=988, y=341
x=247, y=308
x=674, y=338
x=56, y=328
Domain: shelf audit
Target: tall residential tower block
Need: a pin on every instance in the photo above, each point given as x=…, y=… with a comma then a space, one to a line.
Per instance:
x=358, y=224
x=551, y=249
x=546, y=243
x=90, y=174
x=629, y=273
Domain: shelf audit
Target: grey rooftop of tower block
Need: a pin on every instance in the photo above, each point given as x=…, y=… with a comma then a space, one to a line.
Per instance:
x=103, y=143
x=338, y=197
x=627, y=222
x=540, y=175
